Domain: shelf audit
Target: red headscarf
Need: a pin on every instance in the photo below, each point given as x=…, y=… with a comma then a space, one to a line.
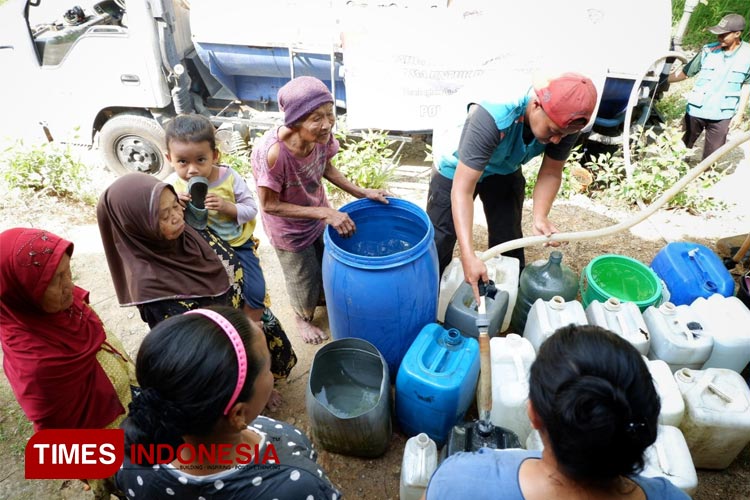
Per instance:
x=50, y=358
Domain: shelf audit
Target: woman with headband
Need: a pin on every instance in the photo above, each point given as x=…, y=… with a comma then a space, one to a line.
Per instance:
x=594, y=404
x=205, y=379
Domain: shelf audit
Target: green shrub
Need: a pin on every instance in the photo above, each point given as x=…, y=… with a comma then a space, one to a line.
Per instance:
x=658, y=163
x=47, y=168
x=705, y=15
x=366, y=159
x=239, y=161
x=571, y=183
x=673, y=103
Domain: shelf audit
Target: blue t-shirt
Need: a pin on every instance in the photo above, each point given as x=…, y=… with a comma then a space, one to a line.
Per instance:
x=492, y=474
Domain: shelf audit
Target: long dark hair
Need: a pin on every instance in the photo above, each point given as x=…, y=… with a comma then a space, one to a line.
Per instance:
x=187, y=370
x=597, y=402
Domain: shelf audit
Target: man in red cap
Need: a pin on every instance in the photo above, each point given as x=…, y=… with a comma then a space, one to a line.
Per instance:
x=720, y=95
x=500, y=129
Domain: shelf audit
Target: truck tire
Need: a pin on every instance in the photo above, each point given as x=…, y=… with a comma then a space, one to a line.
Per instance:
x=134, y=143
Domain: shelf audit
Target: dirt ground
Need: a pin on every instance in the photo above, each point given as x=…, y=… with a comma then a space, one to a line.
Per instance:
x=357, y=478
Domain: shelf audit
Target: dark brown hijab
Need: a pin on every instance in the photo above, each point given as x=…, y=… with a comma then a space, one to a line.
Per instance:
x=144, y=266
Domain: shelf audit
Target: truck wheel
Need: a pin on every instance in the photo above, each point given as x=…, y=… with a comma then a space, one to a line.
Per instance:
x=133, y=143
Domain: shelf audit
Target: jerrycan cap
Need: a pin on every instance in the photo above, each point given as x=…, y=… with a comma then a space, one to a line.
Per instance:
x=514, y=340
x=487, y=289
x=685, y=375
x=452, y=337
x=422, y=440
x=613, y=304
x=668, y=308
x=557, y=303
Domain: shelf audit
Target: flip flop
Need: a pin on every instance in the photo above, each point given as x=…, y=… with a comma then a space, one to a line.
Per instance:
x=198, y=188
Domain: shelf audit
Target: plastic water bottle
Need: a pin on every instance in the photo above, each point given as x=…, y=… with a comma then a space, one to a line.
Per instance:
x=420, y=461
x=542, y=280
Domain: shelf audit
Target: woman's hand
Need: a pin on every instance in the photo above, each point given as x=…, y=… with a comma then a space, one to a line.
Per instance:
x=377, y=195
x=341, y=222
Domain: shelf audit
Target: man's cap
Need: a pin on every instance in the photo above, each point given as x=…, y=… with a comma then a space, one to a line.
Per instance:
x=567, y=98
x=728, y=23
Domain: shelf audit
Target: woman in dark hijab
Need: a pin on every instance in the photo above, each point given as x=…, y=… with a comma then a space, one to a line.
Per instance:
x=164, y=267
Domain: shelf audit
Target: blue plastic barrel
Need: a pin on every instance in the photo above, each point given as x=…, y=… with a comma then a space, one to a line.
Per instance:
x=435, y=383
x=691, y=270
x=381, y=284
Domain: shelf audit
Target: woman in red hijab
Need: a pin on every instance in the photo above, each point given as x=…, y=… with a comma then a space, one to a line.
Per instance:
x=64, y=371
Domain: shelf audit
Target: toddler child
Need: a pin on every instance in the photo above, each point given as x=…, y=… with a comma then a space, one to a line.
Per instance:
x=216, y=196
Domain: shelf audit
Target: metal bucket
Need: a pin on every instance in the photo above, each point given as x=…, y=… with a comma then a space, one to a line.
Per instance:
x=348, y=398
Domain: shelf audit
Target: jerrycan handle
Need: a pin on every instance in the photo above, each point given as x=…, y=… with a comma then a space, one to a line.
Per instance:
x=661, y=457
x=722, y=395
x=684, y=329
x=697, y=257
x=520, y=369
x=621, y=322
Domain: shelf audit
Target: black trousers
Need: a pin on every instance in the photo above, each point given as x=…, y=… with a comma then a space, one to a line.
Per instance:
x=716, y=133
x=502, y=199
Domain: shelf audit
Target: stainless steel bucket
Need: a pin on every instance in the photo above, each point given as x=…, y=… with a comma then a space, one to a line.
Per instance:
x=348, y=398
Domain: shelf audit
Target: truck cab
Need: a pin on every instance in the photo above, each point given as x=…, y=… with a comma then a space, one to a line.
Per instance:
x=110, y=73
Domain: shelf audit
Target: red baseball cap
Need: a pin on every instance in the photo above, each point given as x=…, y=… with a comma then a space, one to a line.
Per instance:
x=567, y=98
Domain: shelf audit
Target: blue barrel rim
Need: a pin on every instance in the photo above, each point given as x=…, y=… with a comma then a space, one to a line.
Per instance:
x=385, y=261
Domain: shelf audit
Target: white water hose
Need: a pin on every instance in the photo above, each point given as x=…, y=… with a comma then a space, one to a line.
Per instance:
x=640, y=216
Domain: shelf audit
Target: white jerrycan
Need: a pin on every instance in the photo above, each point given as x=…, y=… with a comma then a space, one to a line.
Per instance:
x=547, y=316
x=716, y=424
x=669, y=457
x=511, y=357
x=677, y=337
x=417, y=466
x=672, y=405
x=727, y=320
x=623, y=318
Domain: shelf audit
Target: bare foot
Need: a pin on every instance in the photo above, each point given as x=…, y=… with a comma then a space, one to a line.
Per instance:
x=310, y=333
x=274, y=401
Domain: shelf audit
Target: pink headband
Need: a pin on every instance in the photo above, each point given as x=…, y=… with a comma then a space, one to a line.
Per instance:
x=239, y=349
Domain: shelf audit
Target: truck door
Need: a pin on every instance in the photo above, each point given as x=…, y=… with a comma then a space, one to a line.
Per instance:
x=79, y=65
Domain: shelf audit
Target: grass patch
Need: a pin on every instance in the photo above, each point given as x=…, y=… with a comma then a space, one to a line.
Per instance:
x=705, y=15
x=15, y=429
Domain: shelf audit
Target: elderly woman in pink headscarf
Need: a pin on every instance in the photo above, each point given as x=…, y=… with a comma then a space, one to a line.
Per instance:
x=289, y=164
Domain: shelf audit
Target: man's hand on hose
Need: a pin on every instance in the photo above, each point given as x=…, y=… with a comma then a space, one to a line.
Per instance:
x=474, y=270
